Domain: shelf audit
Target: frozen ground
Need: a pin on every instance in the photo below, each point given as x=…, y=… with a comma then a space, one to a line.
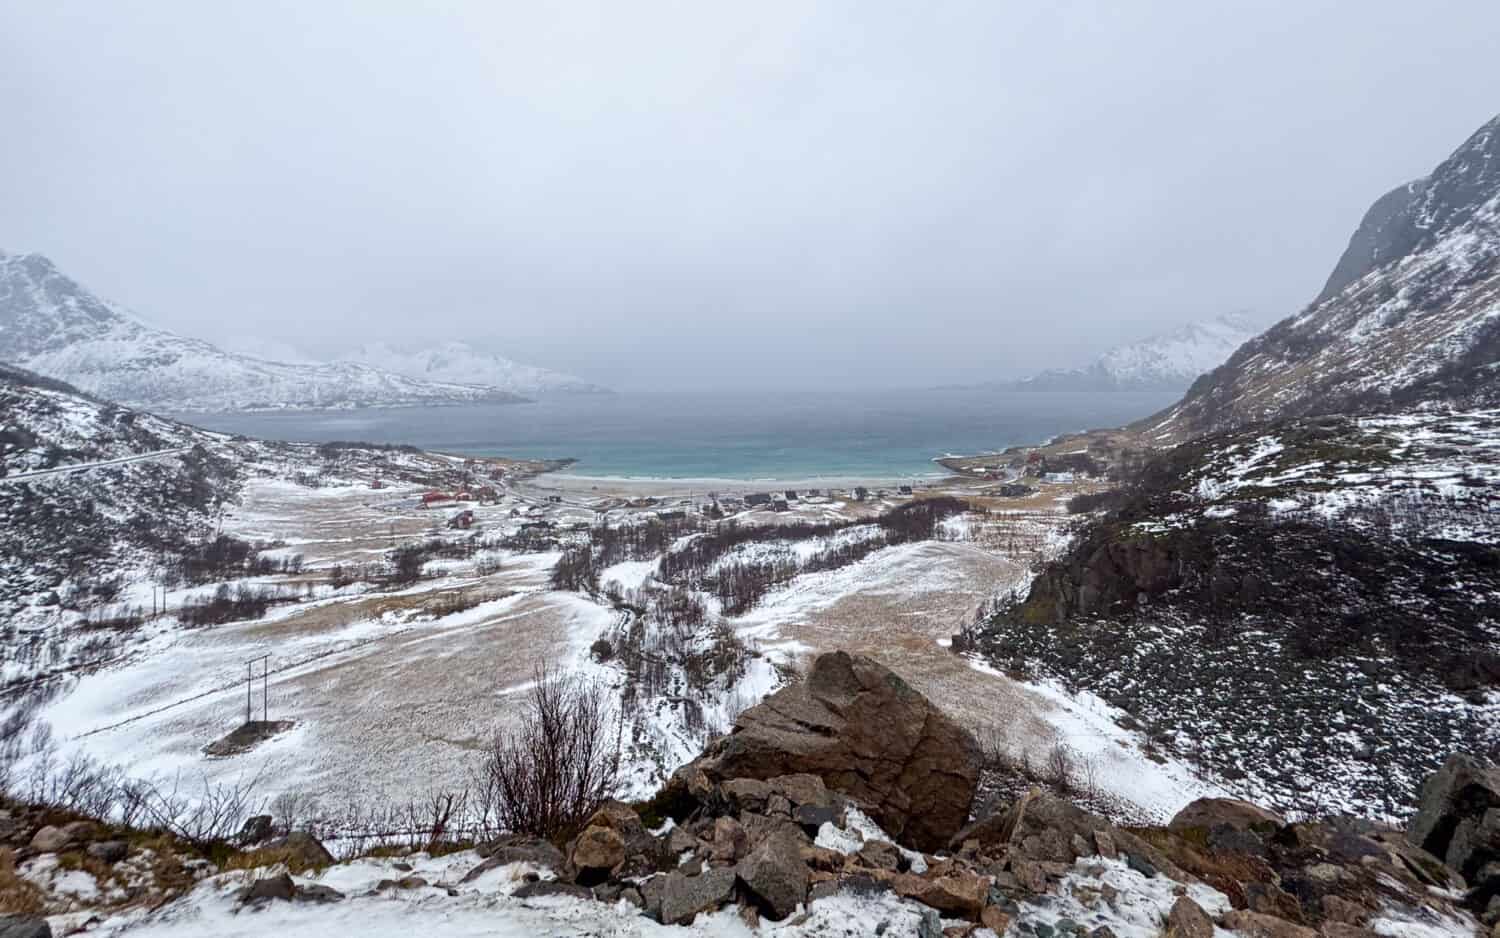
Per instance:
x=393, y=693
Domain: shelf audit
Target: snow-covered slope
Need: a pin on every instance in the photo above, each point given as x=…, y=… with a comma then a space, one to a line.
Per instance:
x=52, y=325
x=461, y=363
x=1410, y=315
x=1167, y=362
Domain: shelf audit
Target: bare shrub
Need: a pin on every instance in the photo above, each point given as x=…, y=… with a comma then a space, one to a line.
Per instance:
x=1061, y=766
x=559, y=764
x=204, y=814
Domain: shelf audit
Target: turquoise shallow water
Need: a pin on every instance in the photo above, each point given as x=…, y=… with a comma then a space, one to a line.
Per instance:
x=780, y=435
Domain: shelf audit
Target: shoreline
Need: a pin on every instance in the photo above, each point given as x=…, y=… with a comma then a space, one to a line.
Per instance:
x=567, y=482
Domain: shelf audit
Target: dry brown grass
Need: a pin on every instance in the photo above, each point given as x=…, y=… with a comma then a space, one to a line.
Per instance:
x=17, y=896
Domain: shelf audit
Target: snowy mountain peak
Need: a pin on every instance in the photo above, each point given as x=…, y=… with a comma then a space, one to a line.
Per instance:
x=1410, y=316
x=54, y=326
x=462, y=363
x=1166, y=362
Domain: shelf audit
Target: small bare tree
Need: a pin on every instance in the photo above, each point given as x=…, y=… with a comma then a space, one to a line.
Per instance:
x=559, y=764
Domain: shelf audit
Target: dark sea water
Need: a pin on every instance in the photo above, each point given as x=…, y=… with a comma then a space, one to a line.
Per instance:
x=775, y=435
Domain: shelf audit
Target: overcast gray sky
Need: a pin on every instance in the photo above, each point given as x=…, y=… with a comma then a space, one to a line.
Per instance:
x=688, y=195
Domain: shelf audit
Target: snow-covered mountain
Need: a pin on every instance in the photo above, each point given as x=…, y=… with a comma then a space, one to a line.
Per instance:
x=461, y=363
x=54, y=326
x=1410, y=315
x=1168, y=362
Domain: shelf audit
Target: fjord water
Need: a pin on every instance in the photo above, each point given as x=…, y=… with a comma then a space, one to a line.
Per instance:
x=774, y=435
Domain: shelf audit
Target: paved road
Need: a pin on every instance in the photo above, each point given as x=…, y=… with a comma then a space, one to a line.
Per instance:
x=82, y=466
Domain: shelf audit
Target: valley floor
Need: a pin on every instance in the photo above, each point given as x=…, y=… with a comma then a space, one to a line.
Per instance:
x=393, y=694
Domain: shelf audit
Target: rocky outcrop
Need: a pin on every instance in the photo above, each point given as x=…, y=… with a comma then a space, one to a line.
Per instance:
x=866, y=733
x=1459, y=822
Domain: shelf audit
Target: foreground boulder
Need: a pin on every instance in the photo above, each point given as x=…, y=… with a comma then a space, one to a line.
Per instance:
x=865, y=732
x=1458, y=821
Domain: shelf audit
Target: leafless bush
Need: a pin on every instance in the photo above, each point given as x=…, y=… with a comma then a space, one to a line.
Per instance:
x=203, y=814
x=560, y=763
x=294, y=810
x=1061, y=766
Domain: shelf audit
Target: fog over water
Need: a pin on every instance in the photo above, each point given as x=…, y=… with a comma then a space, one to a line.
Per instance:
x=724, y=435
x=673, y=195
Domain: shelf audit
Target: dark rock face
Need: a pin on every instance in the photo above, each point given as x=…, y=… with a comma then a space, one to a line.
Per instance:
x=865, y=732
x=1458, y=819
x=1410, y=216
x=24, y=926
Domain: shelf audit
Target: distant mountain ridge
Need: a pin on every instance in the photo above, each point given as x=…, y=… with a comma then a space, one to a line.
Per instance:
x=1409, y=316
x=461, y=363
x=1171, y=361
x=54, y=326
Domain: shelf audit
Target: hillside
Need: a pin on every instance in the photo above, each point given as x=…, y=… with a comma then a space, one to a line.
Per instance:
x=1323, y=591
x=1171, y=361
x=460, y=363
x=52, y=325
x=1313, y=570
x=1409, y=316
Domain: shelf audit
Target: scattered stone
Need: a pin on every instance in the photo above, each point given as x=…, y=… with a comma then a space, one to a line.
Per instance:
x=596, y=852
x=24, y=926
x=552, y=887
x=931, y=925
x=1208, y=814
x=776, y=875
x=994, y=918
x=50, y=839
x=749, y=794
x=520, y=848
x=680, y=841
x=1140, y=864
x=880, y=855
x=1337, y=908
x=802, y=789
x=957, y=893
x=1260, y=925
x=683, y=897
x=1188, y=920
x=108, y=851
x=300, y=848
x=863, y=884
x=822, y=890
x=812, y=817
x=1271, y=899
x=267, y=889
x=730, y=841
x=317, y=892
x=255, y=830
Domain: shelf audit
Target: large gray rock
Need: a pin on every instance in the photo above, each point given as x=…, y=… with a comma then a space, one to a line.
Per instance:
x=684, y=897
x=24, y=926
x=775, y=873
x=865, y=732
x=1458, y=818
